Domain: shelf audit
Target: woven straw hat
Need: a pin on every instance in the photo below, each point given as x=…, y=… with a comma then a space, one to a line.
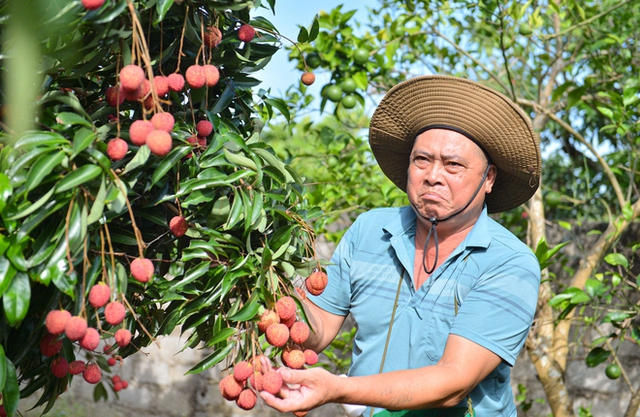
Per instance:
x=487, y=117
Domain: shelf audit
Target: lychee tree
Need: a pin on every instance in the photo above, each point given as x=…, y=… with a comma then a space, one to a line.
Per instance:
x=140, y=199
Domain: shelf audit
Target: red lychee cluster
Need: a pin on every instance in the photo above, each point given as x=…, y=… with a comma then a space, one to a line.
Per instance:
x=212, y=37
x=92, y=4
x=142, y=269
x=246, y=33
x=246, y=379
x=316, y=282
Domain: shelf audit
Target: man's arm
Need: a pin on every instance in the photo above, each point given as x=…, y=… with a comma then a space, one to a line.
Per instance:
x=463, y=365
x=324, y=326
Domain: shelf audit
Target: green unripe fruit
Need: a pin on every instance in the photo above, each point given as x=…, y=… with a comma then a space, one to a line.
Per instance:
x=613, y=371
x=524, y=29
x=313, y=60
x=334, y=93
x=348, y=85
x=361, y=56
x=349, y=101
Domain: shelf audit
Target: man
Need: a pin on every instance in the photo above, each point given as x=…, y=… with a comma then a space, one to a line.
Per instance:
x=442, y=295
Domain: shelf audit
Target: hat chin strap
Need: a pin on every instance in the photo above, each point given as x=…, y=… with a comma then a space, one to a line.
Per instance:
x=434, y=222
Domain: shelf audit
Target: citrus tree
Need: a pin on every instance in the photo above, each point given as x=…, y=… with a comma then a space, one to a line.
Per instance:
x=138, y=197
x=572, y=65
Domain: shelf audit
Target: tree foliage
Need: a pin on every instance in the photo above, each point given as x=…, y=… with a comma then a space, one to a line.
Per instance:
x=71, y=215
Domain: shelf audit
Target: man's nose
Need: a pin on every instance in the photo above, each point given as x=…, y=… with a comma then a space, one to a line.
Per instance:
x=433, y=173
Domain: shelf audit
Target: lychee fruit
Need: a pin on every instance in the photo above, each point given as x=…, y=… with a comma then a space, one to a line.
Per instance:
x=123, y=337
x=139, y=131
x=117, y=386
x=299, y=332
x=204, y=128
x=50, y=345
x=90, y=340
x=163, y=121
x=286, y=307
x=289, y=322
x=310, y=357
x=308, y=78
x=114, y=96
x=247, y=399
x=111, y=361
x=212, y=37
x=230, y=388
x=56, y=321
x=271, y=382
x=99, y=295
x=142, y=269
x=293, y=358
x=76, y=367
x=161, y=83
x=59, y=367
x=242, y=371
x=277, y=334
x=159, y=142
x=176, y=82
x=75, y=328
x=246, y=33
x=316, y=282
x=133, y=95
x=211, y=74
x=193, y=140
x=92, y=4
x=202, y=141
x=178, y=226
x=300, y=413
x=195, y=76
x=256, y=381
x=131, y=77
x=117, y=149
x=267, y=318
x=92, y=373
x=114, y=313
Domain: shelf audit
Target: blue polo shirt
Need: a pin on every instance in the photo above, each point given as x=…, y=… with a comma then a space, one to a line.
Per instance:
x=486, y=291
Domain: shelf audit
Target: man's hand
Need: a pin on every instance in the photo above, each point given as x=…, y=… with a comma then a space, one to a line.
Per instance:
x=302, y=390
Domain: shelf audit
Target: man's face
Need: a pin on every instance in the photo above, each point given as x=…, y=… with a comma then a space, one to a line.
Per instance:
x=445, y=169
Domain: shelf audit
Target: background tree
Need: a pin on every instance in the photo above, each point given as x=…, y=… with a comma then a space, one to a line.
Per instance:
x=573, y=67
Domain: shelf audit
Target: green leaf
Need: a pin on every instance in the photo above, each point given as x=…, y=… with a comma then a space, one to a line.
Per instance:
x=616, y=259
x=139, y=159
x=606, y=111
x=81, y=140
x=596, y=356
x=3, y=368
x=169, y=162
x=221, y=336
x=78, y=177
x=32, y=139
x=281, y=105
x=162, y=7
x=42, y=169
x=303, y=35
x=33, y=207
x=248, y=310
x=5, y=190
x=98, y=204
x=69, y=118
x=17, y=298
x=11, y=392
x=212, y=360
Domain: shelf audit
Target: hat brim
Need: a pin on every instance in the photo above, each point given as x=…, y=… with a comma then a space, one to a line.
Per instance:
x=492, y=120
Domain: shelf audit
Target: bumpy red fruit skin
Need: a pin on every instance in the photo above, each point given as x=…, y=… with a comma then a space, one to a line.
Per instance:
x=256, y=381
x=195, y=76
x=277, y=334
x=246, y=33
x=212, y=37
x=114, y=313
x=159, y=142
x=242, y=371
x=139, y=130
x=142, y=269
x=316, y=282
x=308, y=78
x=211, y=75
x=76, y=367
x=247, y=399
x=59, y=367
x=289, y=322
x=178, y=226
x=92, y=4
x=176, y=82
x=299, y=332
x=56, y=321
x=268, y=318
x=230, y=388
x=310, y=357
x=294, y=359
x=117, y=149
x=76, y=328
x=92, y=373
x=90, y=340
x=99, y=295
x=123, y=337
x=286, y=307
x=114, y=96
x=163, y=121
x=131, y=77
x=161, y=83
x=271, y=382
x=50, y=345
x=204, y=128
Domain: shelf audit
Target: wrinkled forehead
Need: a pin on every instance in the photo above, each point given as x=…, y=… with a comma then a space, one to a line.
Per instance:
x=456, y=138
